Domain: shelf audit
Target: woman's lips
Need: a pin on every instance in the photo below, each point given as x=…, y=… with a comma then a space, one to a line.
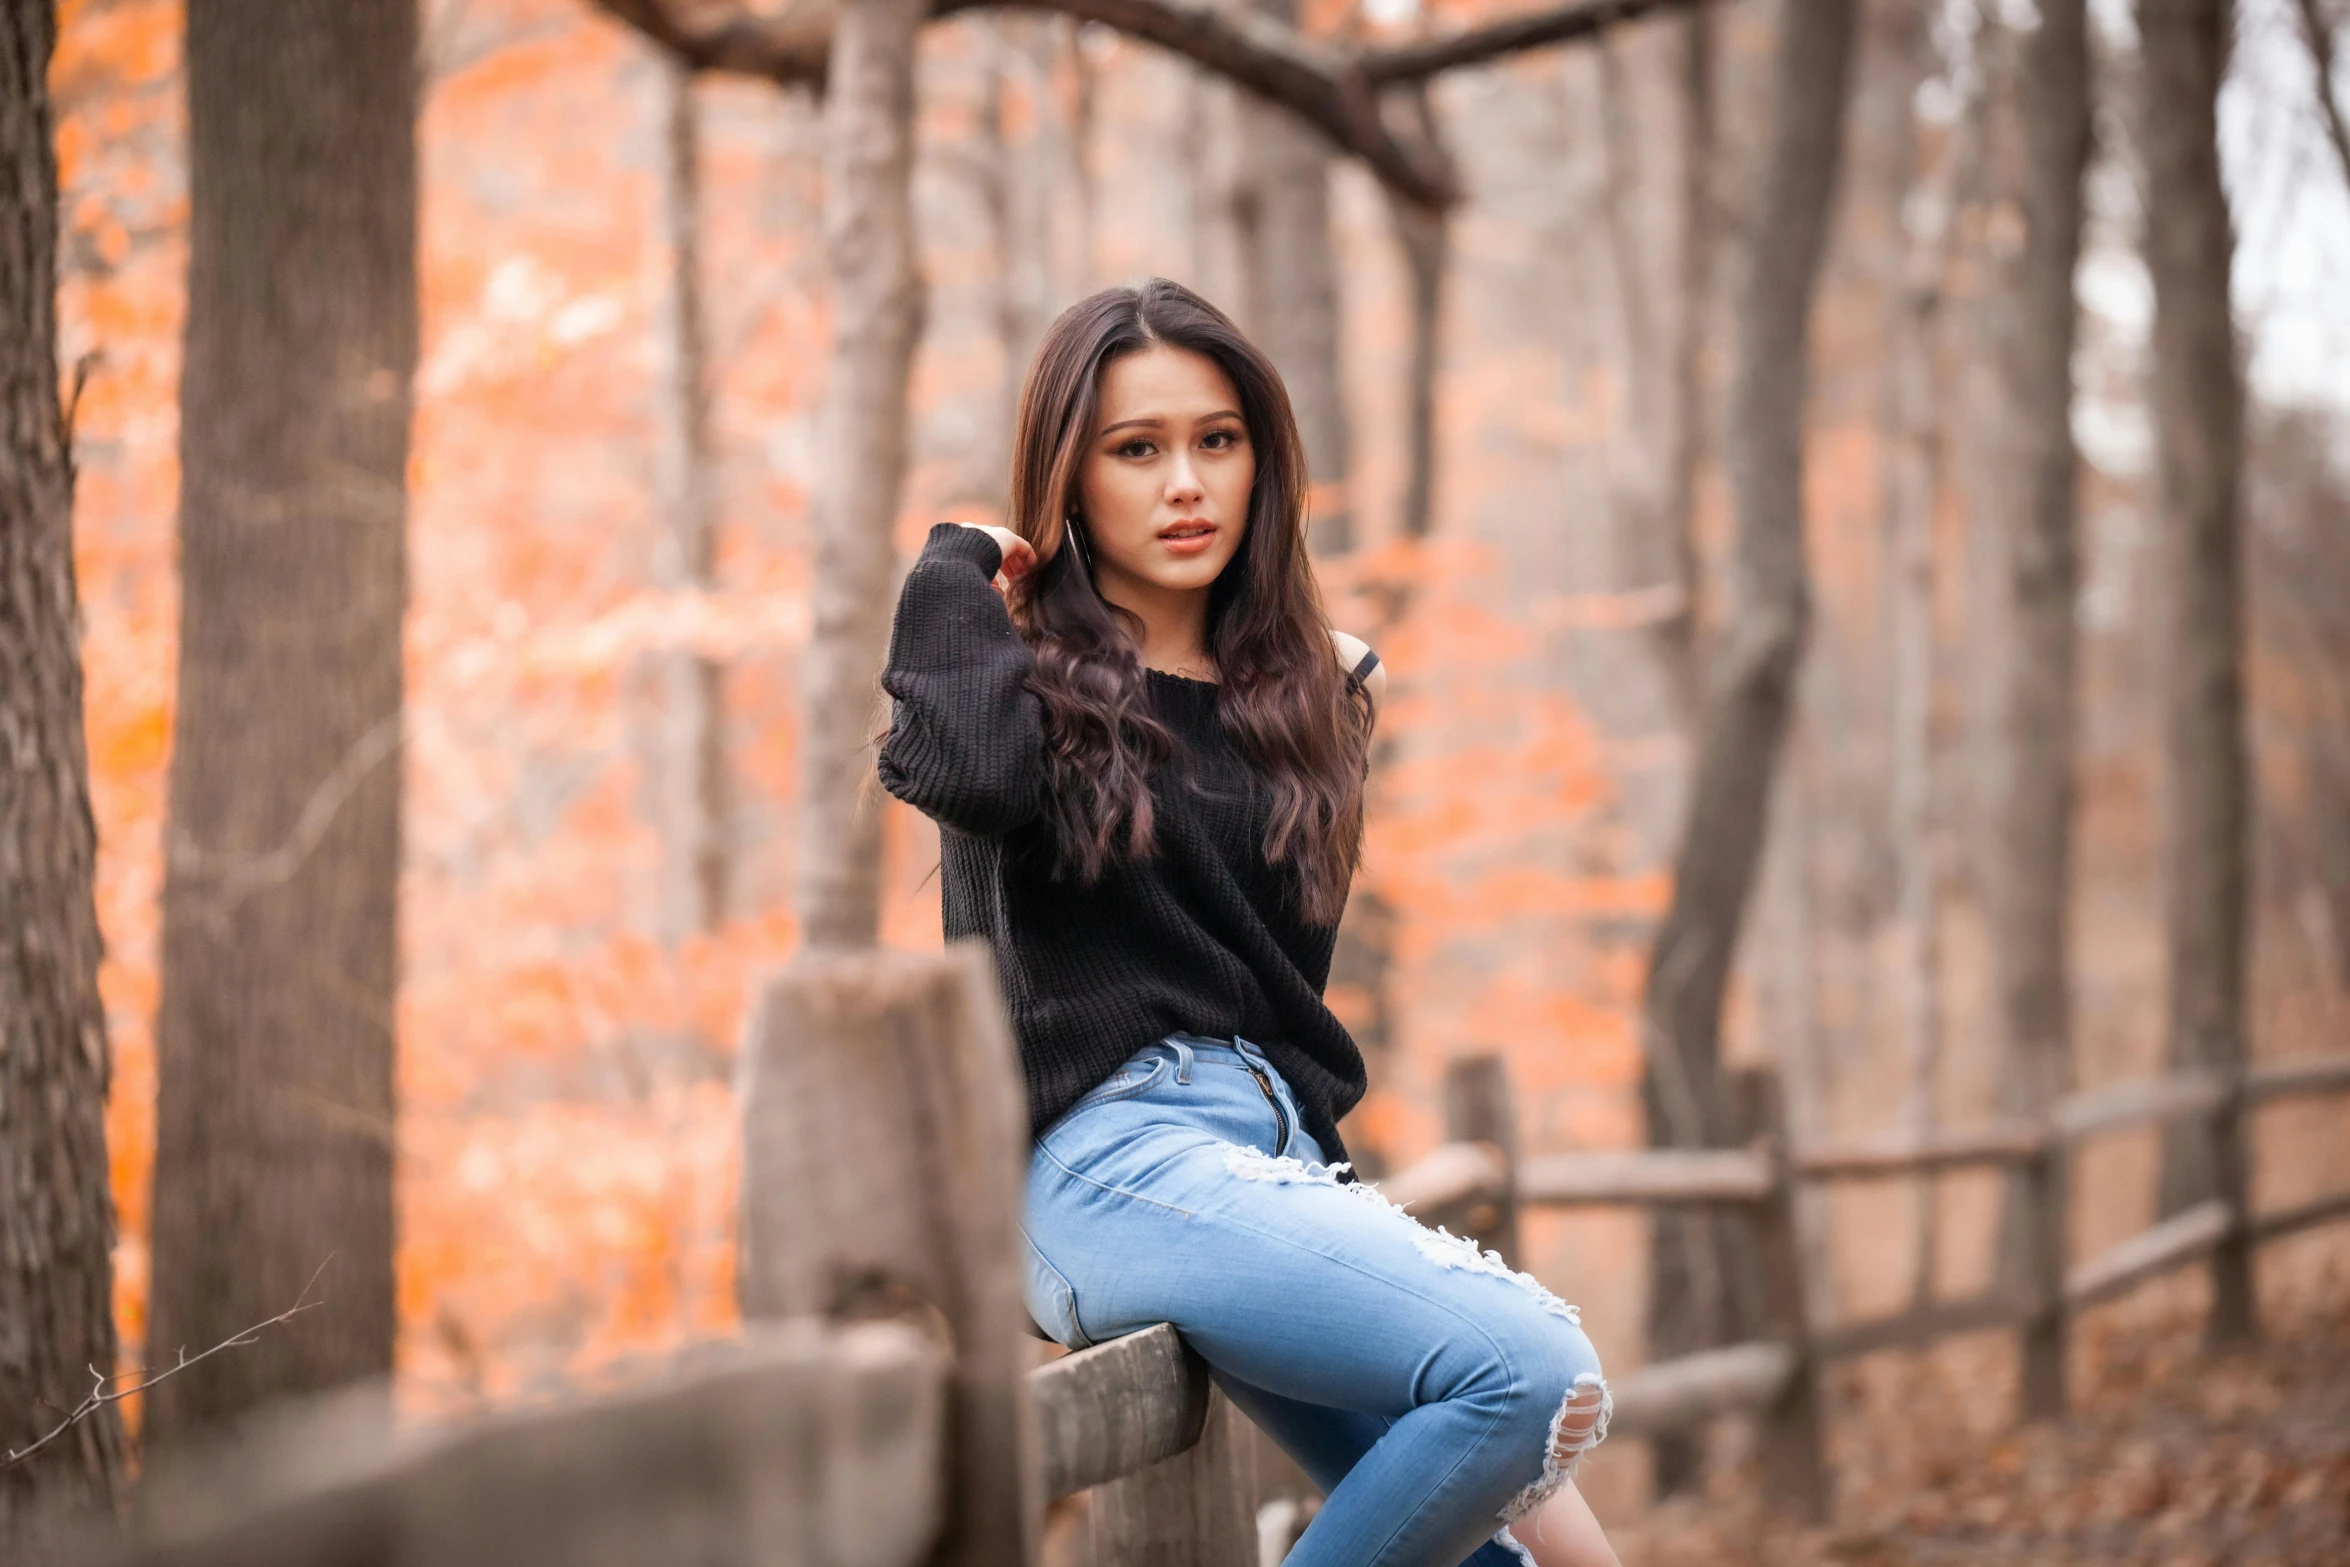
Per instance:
x=1188, y=538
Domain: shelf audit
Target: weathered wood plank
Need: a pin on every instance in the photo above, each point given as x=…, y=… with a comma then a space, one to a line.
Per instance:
x=1916, y=1329
x=884, y=1141
x=1999, y=1143
x=1109, y=1411
x=1658, y=1175
x=2118, y=1106
x=2180, y=1238
x=2299, y=1075
x=1196, y=1509
x=805, y=1446
x=1450, y=1176
x=2301, y=1216
x=1675, y=1395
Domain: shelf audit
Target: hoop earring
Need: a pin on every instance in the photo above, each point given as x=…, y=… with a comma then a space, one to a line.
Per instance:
x=1077, y=539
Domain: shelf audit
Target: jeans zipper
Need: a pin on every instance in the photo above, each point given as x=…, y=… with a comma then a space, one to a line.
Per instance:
x=1280, y=1116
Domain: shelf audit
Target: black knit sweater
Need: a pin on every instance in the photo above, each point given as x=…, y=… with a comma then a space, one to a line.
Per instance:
x=1200, y=938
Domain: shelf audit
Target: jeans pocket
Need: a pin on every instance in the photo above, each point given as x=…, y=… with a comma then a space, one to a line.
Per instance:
x=1137, y=1076
x=1052, y=1303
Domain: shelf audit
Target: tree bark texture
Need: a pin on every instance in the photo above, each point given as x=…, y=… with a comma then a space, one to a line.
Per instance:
x=1694, y=1295
x=56, y=1210
x=692, y=766
x=275, y=1035
x=1296, y=297
x=1030, y=184
x=1654, y=499
x=1914, y=474
x=1426, y=239
x=2196, y=388
x=2035, y=489
x=877, y=309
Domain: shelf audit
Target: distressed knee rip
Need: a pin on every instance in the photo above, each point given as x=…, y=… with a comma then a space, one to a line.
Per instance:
x=1579, y=1426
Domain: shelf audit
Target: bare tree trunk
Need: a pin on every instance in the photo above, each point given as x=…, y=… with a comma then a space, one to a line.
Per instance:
x=1295, y=295
x=1225, y=201
x=1694, y=1294
x=1681, y=638
x=56, y=1209
x=877, y=321
x=1365, y=958
x=1023, y=182
x=1655, y=501
x=2028, y=875
x=693, y=764
x=1792, y=965
x=1426, y=238
x=1075, y=148
x=1913, y=494
x=2319, y=36
x=1299, y=325
x=2198, y=397
x=275, y=1029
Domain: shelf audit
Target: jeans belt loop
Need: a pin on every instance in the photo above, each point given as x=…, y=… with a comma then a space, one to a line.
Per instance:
x=1182, y=1061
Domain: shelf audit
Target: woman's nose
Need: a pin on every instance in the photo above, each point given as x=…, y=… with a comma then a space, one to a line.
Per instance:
x=1183, y=482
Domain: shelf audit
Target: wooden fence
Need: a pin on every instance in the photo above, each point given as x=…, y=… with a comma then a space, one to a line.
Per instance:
x=884, y=1407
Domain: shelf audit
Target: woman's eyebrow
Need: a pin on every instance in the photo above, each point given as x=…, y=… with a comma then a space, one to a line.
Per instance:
x=1153, y=421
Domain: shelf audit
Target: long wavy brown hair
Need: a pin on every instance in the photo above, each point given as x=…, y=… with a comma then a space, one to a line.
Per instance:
x=1282, y=698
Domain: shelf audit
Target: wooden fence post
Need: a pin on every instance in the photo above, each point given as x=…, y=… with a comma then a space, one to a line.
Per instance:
x=1478, y=1108
x=2036, y=1244
x=1794, y=1457
x=2235, y=1320
x=884, y=1140
x=1276, y=1477
x=1197, y=1509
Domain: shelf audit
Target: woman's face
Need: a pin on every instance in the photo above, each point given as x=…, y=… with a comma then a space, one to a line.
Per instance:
x=1164, y=487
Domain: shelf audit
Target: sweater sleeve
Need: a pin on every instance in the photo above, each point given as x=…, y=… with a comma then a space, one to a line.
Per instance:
x=966, y=735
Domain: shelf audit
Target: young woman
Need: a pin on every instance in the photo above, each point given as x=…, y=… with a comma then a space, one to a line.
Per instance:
x=1145, y=749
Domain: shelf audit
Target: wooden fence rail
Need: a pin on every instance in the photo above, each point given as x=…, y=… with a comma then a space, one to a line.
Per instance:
x=884, y=1408
x=1457, y=1177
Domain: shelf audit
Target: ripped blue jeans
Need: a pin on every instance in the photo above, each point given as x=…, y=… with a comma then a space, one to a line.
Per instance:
x=1433, y=1394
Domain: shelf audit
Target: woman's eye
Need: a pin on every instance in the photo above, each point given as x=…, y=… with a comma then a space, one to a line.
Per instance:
x=1135, y=448
x=1221, y=440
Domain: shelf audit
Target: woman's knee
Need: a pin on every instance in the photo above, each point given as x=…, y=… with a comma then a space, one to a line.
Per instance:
x=1551, y=1358
x=1557, y=1404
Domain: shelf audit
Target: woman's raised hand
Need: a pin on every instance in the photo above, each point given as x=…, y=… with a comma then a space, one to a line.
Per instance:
x=1019, y=558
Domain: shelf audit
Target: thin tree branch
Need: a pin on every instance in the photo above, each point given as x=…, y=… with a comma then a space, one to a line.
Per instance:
x=2320, y=39
x=1312, y=80
x=1556, y=24
x=789, y=49
x=100, y=1395
x=1335, y=90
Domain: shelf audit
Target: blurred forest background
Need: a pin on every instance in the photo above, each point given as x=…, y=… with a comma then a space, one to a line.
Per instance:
x=583, y=754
